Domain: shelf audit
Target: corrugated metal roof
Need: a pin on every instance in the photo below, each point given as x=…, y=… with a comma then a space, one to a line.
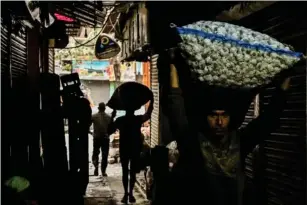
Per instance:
x=86, y=13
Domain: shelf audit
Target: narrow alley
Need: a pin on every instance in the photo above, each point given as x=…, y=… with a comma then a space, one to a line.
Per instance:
x=109, y=190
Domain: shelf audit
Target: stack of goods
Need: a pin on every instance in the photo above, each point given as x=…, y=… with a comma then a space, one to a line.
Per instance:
x=228, y=55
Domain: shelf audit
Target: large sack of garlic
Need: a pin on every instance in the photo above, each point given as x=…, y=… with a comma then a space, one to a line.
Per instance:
x=228, y=55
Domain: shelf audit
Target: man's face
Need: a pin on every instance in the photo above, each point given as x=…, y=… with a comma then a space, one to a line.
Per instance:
x=218, y=121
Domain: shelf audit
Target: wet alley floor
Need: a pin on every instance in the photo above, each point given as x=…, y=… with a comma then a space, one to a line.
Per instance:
x=109, y=190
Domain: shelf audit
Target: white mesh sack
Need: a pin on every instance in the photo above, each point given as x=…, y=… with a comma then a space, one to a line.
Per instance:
x=228, y=55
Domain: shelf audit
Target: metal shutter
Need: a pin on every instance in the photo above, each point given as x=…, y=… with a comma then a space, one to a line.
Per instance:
x=253, y=163
x=19, y=54
x=250, y=115
x=155, y=116
x=51, y=60
x=5, y=101
x=13, y=66
x=285, y=148
x=13, y=54
x=5, y=57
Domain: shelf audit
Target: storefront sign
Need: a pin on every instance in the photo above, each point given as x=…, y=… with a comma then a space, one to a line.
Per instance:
x=91, y=70
x=128, y=72
x=106, y=47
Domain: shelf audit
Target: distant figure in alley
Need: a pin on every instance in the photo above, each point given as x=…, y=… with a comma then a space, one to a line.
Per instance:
x=101, y=122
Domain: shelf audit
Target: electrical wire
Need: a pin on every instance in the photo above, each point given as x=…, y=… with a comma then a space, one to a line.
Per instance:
x=80, y=42
x=113, y=12
x=103, y=27
x=84, y=44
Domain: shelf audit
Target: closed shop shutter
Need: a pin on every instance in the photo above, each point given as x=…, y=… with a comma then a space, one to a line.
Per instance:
x=155, y=116
x=13, y=54
x=5, y=101
x=250, y=115
x=51, y=60
x=13, y=66
x=253, y=162
x=5, y=57
x=19, y=54
x=285, y=148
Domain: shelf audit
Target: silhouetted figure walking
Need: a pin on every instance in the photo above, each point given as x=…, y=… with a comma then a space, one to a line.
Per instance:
x=130, y=146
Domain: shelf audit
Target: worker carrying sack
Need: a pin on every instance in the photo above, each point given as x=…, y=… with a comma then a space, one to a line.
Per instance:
x=130, y=96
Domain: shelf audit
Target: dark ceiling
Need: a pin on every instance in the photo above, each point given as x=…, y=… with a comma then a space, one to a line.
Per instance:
x=85, y=13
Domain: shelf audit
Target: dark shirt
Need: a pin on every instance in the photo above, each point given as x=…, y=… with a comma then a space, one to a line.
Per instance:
x=220, y=172
x=101, y=122
x=130, y=133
